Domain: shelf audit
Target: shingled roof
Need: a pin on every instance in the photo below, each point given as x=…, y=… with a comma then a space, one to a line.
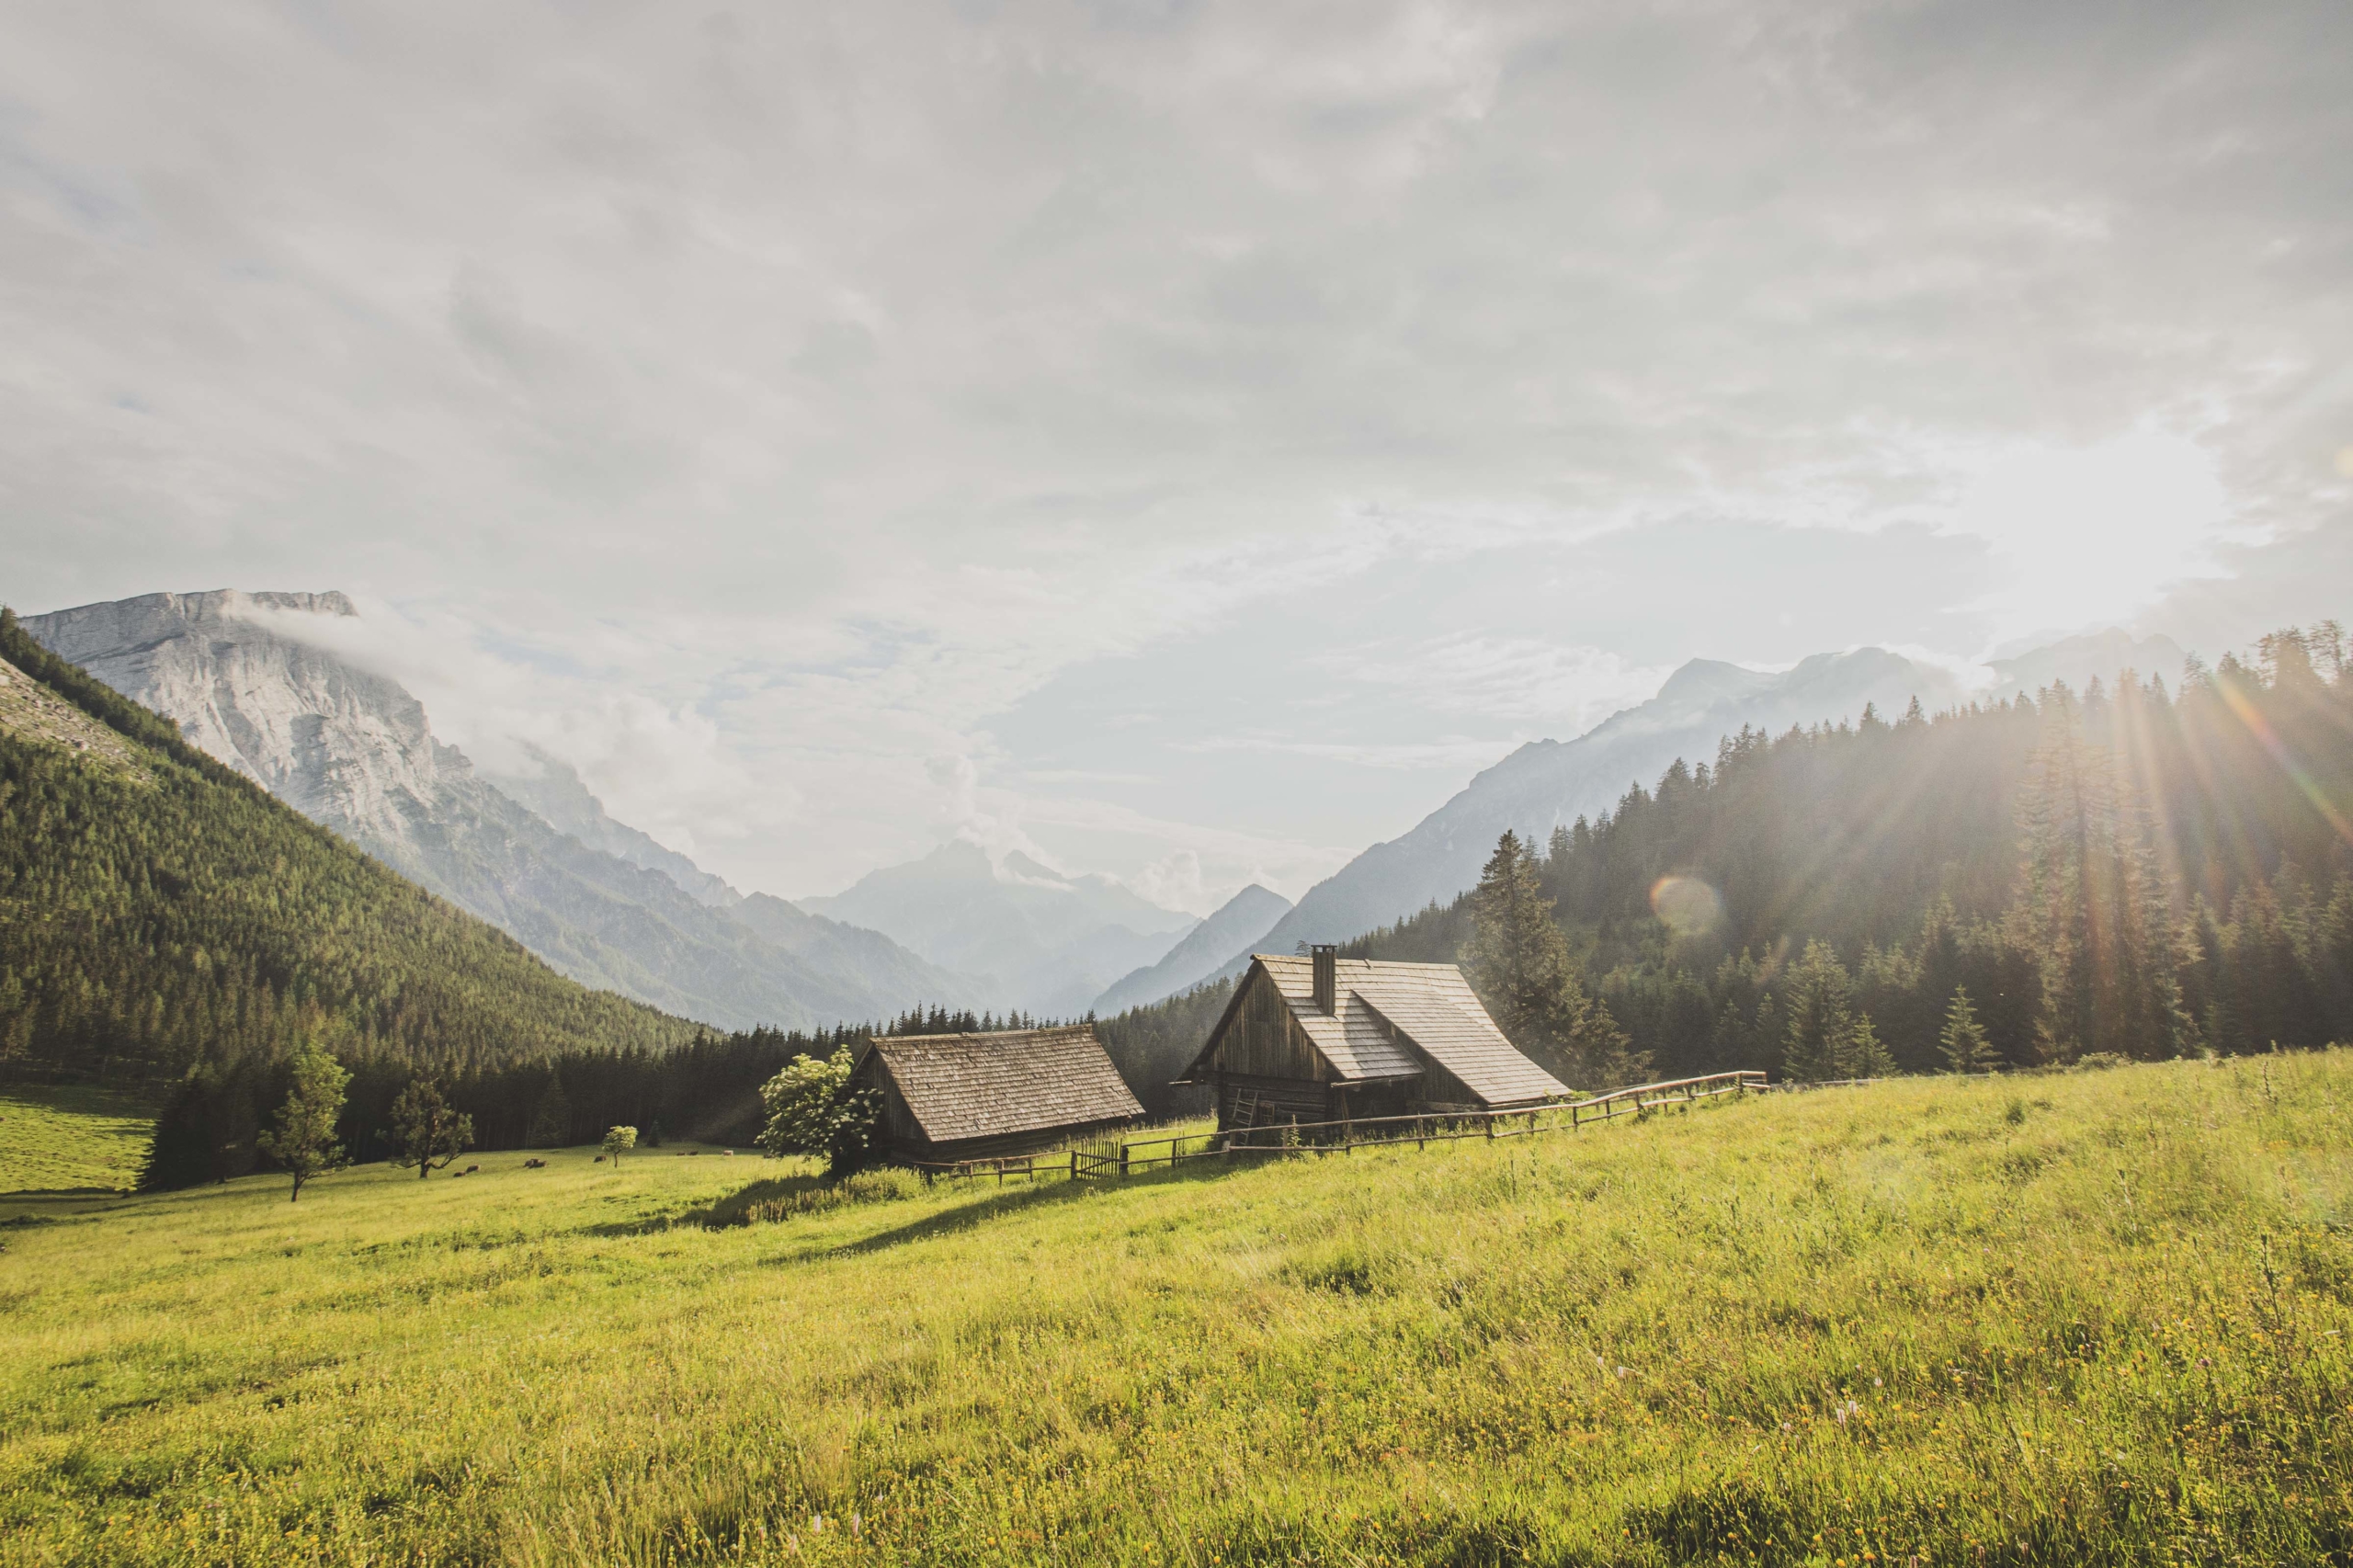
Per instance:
x=1430, y=1005
x=960, y=1086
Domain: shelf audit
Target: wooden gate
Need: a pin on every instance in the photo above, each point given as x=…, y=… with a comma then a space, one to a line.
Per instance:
x=1102, y=1158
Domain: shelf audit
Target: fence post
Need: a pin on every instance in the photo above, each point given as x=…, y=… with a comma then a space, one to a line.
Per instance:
x=1123, y=1159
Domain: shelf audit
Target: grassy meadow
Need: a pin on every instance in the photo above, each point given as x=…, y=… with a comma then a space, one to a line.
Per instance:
x=76, y=1138
x=2097, y=1317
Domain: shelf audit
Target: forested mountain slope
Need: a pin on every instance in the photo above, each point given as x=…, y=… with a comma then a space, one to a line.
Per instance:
x=159, y=912
x=1547, y=784
x=253, y=680
x=2126, y=872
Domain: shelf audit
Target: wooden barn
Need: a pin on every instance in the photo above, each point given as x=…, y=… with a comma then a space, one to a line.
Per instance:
x=973, y=1096
x=1326, y=1039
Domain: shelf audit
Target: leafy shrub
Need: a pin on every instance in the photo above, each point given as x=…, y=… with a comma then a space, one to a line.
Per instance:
x=767, y=1202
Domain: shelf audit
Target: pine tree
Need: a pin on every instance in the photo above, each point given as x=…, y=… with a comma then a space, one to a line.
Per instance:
x=1519, y=964
x=1862, y=1054
x=1963, y=1037
x=1821, y=1017
x=1828, y=1037
x=304, y=1141
x=2092, y=903
x=552, y=1120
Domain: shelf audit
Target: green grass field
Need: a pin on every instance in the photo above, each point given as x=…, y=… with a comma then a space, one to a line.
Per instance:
x=65, y=1139
x=2093, y=1318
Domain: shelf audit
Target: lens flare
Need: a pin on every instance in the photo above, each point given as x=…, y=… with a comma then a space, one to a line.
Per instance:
x=1686, y=906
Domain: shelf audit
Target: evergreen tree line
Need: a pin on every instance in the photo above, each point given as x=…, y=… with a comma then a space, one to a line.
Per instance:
x=707, y=1090
x=2130, y=873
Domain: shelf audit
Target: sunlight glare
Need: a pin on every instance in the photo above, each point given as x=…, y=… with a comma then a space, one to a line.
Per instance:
x=1686, y=906
x=2091, y=534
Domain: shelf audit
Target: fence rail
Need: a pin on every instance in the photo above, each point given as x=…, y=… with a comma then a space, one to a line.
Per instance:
x=1111, y=1158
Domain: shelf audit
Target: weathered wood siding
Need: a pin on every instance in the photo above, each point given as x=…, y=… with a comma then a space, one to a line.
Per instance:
x=1440, y=1087
x=1265, y=1041
x=1279, y=1100
x=899, y=1126
x=1358, y=1101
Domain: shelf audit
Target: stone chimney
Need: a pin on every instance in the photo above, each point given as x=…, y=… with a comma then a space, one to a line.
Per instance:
x=1326, y=957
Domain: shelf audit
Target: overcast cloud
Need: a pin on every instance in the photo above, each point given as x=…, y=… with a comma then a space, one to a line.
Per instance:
x=1186, y=439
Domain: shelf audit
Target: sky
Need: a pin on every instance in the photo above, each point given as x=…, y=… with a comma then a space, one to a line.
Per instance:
x=1182, y=440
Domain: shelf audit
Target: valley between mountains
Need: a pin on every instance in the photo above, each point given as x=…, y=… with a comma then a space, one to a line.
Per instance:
x=255, y=681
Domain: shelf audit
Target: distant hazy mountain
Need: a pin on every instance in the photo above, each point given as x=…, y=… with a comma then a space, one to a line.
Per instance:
x=2078, y=660
x=352, y=750
x=562, y=801
x=1545, y=783
x=1244, y=918
x=1033, y=938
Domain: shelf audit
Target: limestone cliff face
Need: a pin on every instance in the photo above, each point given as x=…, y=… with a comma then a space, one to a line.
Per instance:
x=352, y=751
x=341, y=745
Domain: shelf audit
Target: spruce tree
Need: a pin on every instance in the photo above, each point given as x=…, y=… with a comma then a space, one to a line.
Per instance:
x=1821, y=1025
x=551, y=1121
x=1963, y=1037
x=2092, y=902
x=1862, y=1054
x=1520, y=966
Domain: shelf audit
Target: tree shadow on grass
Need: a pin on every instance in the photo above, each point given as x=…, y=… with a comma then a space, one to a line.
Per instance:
x=759, y=1199
x=1035, y=1196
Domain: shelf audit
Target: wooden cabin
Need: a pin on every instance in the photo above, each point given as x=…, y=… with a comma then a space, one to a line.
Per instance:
x=973, y=1097
x=1320, y=1038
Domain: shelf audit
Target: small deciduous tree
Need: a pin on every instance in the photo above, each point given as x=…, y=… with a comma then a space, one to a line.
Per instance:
x=799, y=1104
x=425, y=1130
x=617, y=1139
x=303, y=1141
x=1963, y=1037
x=813, y=1111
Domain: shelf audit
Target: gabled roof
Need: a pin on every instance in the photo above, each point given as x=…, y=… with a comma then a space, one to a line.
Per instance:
x=1429, y=1004
x=1356, y=1043
x=1445, y=1021
x=987, y=1086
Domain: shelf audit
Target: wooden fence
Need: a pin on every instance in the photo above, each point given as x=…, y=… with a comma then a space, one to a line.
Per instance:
x=1110, y=1158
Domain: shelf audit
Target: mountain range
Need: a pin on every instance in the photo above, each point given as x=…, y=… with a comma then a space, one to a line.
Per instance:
x=533, y=851
x=1546, y=784
x=163, y=919
x=1202, y=952
x=1048, y=942
x=537, y=857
